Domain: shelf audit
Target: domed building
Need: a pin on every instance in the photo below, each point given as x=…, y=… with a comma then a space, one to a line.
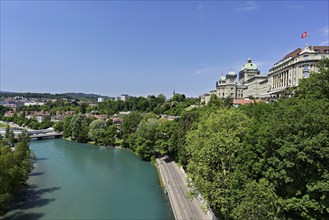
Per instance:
x=247, y=85
x=250, y=83
x=285, y=73
x=227, y=86
x=253, y=84
x=248, y=71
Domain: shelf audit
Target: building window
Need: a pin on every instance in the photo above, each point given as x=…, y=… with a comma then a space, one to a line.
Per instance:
x=306, y=57
x=305, y=71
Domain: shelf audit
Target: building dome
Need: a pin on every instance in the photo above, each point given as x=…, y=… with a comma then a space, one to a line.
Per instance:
x=222, y=78
x=250, y=66
x=231, y=73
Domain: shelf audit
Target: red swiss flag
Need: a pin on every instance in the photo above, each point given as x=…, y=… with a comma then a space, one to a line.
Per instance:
x=304, y=34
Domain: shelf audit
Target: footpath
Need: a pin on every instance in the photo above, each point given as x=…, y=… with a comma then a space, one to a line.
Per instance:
x=175, y=184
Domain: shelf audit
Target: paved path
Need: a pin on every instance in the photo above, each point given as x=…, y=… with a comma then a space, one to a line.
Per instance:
x=175, y=182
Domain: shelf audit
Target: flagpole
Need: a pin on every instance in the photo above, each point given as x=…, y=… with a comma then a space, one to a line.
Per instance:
x=304, y=35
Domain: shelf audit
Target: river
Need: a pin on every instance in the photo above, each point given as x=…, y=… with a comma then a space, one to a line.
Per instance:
x=82, y=181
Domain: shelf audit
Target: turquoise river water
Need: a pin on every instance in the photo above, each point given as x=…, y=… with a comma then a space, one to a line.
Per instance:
x=82, y=181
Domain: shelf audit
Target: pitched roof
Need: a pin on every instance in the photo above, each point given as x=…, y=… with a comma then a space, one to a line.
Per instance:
x=321, y=49
x=245, y=101
x=293, y=54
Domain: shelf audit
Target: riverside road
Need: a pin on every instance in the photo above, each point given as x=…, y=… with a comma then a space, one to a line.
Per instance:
x=175, y=182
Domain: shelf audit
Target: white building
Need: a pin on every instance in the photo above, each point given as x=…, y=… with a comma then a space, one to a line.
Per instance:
x=227, y=86
x=123, y=97
x=33, y=103
x=294, y=66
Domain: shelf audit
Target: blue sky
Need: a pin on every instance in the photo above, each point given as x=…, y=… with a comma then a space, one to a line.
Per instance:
x=147, y=47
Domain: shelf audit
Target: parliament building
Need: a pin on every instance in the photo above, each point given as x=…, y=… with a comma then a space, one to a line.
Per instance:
x=284, y=74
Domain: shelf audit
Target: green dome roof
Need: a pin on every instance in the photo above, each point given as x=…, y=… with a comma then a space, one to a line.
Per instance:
x=231, y=73
x=249, y=66
x=222, y=78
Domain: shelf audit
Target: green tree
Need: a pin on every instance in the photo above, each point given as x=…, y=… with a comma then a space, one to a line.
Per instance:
x=67, y=128
x=131, y=122
x=3, y=109
x=97, y=130
x=24, y=137
x=33, y=123
x=46, y=123
x=259, y=201
x=146, y=137
x=168, y=138
x=215, y=102
x=83, y=108
x=80, y=128
x=110, y=135
x=59, y=126
x=129, y=127
x=178, y=97
x=161, y=99
x=212, y=148
x=317, y=85
x=297, y=156
x=10, y=136
x=14, y=169
x=144, y=149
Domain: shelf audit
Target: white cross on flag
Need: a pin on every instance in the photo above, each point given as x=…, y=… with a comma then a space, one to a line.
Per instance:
x=304, y=34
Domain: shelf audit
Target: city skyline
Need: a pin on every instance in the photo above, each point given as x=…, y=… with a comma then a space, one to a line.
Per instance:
x=147, y=48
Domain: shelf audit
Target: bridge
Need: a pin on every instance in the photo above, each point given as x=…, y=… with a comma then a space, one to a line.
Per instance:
x=40, y=136
x=35, y=134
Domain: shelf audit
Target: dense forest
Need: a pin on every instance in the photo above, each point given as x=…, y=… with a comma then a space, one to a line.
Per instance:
x=258, y=161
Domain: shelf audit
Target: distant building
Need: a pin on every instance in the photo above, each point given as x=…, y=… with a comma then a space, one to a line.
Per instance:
x=116, y=120
x=293, y=67
x=251, y=81
x=239, y=102
x=255, y=87
x=123, y=97
x=102, y=117
x=205, y=98
x=124, y=113
x=227, y=86
x=100, y=99
x=249, y=84
x=33, y=103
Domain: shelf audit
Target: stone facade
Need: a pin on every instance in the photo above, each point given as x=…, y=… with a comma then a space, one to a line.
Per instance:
x=293, y=67
x=227, y=86
x=249, y=84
